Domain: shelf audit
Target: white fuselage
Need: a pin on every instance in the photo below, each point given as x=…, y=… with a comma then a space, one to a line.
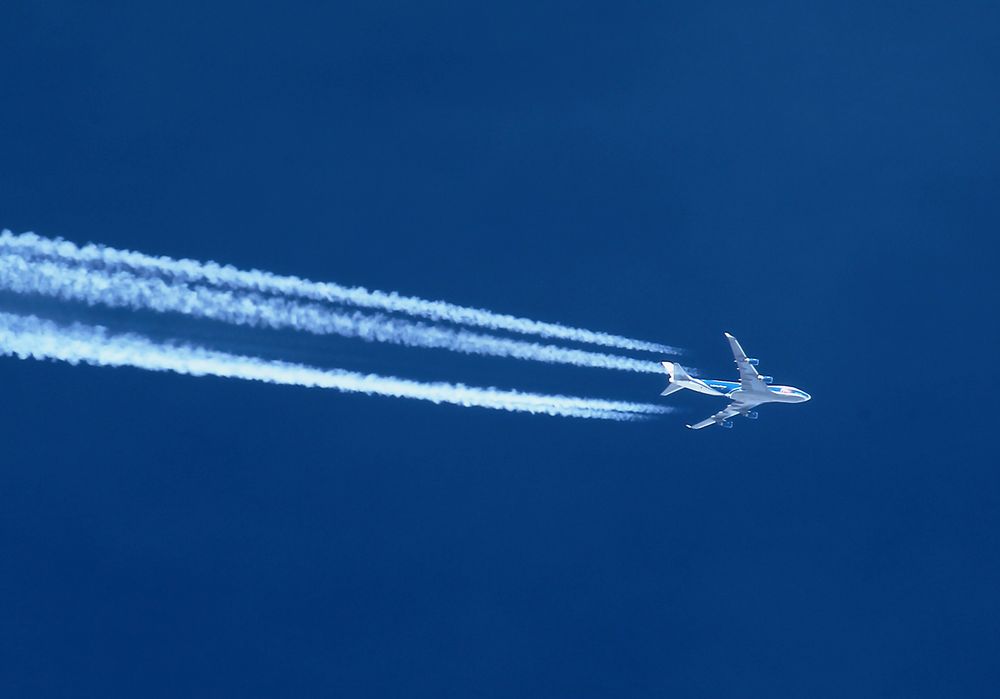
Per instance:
x=749, y=399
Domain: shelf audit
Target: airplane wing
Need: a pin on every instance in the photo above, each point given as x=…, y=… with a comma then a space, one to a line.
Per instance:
x=720, y=417
x=750, y=378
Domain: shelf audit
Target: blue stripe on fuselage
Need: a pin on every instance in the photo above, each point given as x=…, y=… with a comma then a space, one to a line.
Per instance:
x=722, y=386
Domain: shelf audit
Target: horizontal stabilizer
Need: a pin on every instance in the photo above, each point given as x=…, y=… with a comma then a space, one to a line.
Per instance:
x=681, y=379
x=671, y=388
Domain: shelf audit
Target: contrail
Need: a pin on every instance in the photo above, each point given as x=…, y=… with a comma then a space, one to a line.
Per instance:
x=32, y=337
x=120, y=289
x=186, y=270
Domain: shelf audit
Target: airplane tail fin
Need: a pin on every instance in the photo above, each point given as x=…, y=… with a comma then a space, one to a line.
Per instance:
x=681, y=379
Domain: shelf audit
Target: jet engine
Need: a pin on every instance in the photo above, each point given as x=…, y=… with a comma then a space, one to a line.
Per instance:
x=767, y=379
x=753, y=361
x=728, y=424
x=752, y=415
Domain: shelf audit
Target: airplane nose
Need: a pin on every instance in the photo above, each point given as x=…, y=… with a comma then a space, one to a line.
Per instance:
x=806, y=397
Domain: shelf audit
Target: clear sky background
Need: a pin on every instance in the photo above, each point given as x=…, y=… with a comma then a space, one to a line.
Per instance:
x=818, y=178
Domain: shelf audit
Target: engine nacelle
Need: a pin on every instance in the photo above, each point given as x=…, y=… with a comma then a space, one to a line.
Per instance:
x=754, y=361
x=752, y=415
x=767, y=379
x=728, y=424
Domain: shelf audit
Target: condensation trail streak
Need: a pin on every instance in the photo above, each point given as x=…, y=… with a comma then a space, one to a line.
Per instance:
x=120, y=289
x=31, y=337
x=268, y=283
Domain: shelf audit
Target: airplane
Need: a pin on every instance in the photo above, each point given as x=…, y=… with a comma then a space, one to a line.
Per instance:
x=752, y=390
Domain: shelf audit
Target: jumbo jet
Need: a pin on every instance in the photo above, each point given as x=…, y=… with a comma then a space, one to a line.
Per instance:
x=752, y=390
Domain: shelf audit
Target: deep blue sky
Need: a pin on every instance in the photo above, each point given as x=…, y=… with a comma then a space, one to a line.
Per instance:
x=819, y=178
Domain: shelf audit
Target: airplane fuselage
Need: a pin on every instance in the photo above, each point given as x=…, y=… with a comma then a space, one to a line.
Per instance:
x=773, y=394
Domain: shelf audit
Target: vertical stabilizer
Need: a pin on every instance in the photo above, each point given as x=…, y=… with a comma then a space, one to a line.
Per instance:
x=681, y=379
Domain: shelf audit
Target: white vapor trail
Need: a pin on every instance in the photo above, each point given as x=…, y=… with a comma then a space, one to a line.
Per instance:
x=120, y=289
x=185, y=270
x=32, y=337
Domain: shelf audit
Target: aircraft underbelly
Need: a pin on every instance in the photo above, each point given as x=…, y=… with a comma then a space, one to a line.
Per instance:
x=748, y=399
